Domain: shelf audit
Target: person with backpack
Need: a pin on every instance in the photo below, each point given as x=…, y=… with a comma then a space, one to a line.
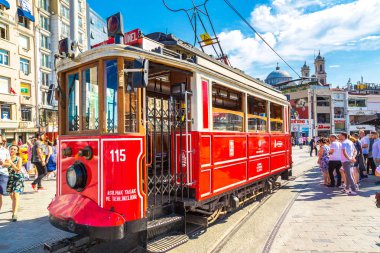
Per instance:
x=51, y=158
x=39, y=162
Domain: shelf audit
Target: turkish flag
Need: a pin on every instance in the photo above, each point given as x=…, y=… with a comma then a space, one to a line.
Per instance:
x=13, y=91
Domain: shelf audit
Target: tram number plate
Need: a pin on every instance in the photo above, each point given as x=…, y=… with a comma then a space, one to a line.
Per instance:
x=118, y=155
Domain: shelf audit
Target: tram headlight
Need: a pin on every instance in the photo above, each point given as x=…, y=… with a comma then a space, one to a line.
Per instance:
x=76, y=176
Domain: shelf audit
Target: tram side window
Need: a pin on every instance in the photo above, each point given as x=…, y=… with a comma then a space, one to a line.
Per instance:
x=131, y=111
x=276, y=118
x=227, y=109
x=90, y=101
x=111, y=83
x=257, y=114
x=73, y=110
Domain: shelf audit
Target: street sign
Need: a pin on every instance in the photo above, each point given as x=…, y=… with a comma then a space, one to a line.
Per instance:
x=206, y=38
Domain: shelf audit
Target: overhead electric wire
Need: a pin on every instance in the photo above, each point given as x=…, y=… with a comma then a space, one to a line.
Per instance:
x=258, y=34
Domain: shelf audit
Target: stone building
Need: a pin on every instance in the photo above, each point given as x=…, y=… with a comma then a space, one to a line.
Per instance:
x=17, y=70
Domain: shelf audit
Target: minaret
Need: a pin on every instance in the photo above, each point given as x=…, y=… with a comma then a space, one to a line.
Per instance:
x=320, y=72
x=305, y=70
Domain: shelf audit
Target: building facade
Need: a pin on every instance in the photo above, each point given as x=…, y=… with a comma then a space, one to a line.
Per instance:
x=96, y=28
x=17, y=70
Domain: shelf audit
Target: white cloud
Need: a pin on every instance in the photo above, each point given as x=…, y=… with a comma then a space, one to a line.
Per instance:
x=334, y=66
x=296, y=32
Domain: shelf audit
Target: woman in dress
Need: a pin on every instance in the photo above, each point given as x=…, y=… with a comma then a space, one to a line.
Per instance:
x=323, y=159
x=16, y=180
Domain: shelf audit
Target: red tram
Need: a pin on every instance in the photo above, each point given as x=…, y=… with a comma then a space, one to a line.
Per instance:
x=158, y=134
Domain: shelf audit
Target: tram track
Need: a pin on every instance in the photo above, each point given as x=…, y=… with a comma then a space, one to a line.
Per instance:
x=268, y=244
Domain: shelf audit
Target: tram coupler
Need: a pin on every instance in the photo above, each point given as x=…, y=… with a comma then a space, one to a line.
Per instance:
x=64, y=244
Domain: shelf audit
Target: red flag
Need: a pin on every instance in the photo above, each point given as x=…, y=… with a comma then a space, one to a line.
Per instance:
x=13, y=91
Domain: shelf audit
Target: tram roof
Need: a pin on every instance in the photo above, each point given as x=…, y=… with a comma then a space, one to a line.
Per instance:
x=200, y=62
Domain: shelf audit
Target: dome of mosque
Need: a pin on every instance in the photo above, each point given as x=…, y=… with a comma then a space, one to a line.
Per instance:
x=278, y=76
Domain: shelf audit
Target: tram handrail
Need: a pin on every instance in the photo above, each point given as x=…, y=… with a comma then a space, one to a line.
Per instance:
x=151, y=144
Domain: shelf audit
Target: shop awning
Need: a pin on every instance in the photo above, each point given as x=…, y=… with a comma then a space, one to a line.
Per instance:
x=5, y=4
x=25, y=14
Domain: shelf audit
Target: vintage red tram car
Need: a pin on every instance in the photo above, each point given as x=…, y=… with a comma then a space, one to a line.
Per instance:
x=185, y=139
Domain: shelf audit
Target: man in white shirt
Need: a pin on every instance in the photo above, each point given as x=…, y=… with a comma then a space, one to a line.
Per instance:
x=348, y=159
x=4, y=163
x=334, y=161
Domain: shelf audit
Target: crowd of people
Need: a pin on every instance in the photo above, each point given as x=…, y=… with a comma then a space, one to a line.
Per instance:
x=345, y=160
x=41, y=163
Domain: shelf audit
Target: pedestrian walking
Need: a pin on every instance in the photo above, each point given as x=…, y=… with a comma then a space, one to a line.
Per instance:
x=323, y=160
x=38, y=161
x=370, y=162
x=300, y=142
x=15, y=184
x=313, y=147
x=364, y=140
x=348, y=159
x=376, y=154
x=4, y=163
x=355, y=169
x=359, y=164
x=335, y=161
x=51, y=159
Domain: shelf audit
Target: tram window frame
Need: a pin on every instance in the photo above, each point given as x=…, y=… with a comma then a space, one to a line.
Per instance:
x=68, y=128
x=104, y=68
x=84, y=99
x=252, y=114
x=276, y=120
x=222, y=95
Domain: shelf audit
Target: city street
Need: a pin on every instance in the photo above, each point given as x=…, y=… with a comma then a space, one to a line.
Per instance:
x=303, y=216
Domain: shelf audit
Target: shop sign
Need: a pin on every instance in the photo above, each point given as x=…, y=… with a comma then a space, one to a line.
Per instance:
x=132, y=37
x=299, y=121
x=339, y=121
x=324, y=127
x=362, y=127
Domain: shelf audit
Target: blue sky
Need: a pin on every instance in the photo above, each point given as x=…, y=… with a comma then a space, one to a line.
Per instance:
x=346, y=31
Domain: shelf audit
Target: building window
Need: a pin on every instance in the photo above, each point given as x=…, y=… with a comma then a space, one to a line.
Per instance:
x=320, y=68
x=45, y=42
x=45, y=78
x=80, y=22
x=44, y=4
x=44, y=97
x=65, y=30
x=23, y=21
x=45, y=60
x=80, y=6
x=352, y=102
x=6, y=112
x=257, y=114
x=44, y=22
x=5, y=85
x=25, y=89
x=24, y=66
x=65, y=12
x=4, y=57
x=339, y=112
x=24, y=42
x=80, y=38
x=227, y=110
x=26, y=114
x=323, y=118
x=323, y=101
x=3, y=31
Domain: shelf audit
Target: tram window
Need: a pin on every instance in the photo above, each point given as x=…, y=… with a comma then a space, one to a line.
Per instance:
x=276, y=118
x=73, y=110
x=111, y=83
x=90, y=93
x=227, y=109
x=131, y=111
x=257, y=114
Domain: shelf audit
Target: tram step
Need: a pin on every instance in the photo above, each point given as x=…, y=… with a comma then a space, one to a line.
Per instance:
x=166, y=243
x=165, y=225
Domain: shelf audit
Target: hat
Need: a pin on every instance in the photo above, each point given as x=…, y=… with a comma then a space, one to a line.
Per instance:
x=334, y=135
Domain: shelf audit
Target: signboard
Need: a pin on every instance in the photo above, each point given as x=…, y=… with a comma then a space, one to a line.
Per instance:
x=321, y=126
x=339, y=121
x=206, y=38
x=362, y=127
x=299, y=108
x=25, y=89
x=132, y=37
x=299, y=121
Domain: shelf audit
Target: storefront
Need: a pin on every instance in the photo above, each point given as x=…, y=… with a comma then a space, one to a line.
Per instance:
x=340, y=125
x=366, y=128
x=300, y=127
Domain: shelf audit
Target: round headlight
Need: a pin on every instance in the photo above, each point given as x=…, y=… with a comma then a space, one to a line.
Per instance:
x=76, y=176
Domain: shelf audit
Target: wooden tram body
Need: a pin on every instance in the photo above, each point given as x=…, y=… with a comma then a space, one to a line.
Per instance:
x=200, y=140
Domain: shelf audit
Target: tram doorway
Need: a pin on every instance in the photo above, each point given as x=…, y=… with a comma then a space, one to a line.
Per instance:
x=167, y=113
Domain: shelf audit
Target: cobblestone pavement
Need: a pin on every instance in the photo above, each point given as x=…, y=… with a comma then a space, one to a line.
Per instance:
x=32, y=228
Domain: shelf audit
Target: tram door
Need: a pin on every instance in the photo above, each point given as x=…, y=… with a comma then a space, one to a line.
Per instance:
x=166, y=118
